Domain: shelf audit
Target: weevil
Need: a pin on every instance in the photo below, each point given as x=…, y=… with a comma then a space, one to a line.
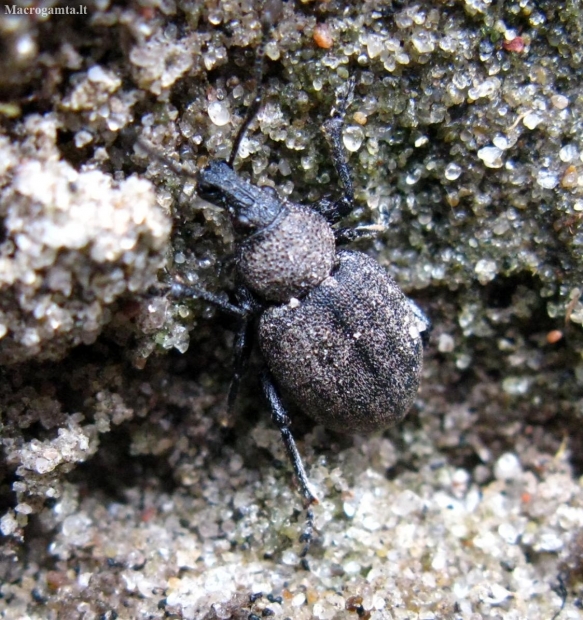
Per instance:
x=336, y=334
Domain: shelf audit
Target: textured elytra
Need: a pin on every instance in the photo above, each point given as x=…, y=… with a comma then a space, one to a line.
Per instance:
x=290, y=257
x=350, y=354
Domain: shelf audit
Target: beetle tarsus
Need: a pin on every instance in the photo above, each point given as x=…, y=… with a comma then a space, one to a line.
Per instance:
x=307, y=534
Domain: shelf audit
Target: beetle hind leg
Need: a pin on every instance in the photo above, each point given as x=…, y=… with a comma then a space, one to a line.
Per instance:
x=282, y=421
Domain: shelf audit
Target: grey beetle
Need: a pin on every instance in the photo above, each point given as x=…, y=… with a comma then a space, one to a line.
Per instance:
x=337, y=335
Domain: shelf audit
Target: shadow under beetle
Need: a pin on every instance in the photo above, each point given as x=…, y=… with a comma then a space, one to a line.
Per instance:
x=337, y=335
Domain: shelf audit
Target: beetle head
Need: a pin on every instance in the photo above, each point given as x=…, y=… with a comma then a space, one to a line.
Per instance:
x=251, y=208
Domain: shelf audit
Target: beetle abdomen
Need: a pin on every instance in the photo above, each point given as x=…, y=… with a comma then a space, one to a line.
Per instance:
x=350, y=352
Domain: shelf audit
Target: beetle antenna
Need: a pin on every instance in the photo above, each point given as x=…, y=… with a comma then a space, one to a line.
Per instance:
x=270, y=14
x=166, y=161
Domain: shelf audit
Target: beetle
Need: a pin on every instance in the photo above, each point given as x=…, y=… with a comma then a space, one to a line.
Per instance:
x=336, y=334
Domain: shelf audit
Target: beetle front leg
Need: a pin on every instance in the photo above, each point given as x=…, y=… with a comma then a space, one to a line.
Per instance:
x=332, y=130
x=178, y=290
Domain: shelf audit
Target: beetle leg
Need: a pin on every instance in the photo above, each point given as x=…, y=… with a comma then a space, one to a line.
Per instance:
x=282, y=421
x=332, y=130
x=178, y=290
x=242, y=350
x=425, y=325
x=243, y=344
x=245, y=312
x=306, y=536
x=332, y=210
x=348, y=235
